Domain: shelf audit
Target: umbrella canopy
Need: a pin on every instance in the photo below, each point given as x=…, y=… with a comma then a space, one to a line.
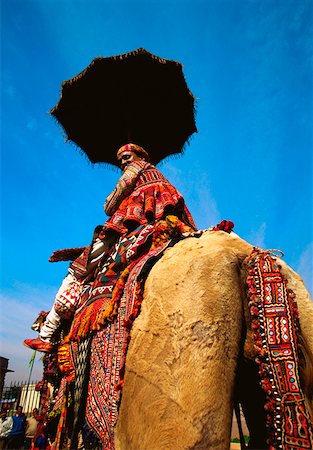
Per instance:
x=135, y=97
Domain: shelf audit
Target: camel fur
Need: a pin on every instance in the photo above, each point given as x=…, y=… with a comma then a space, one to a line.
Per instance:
x=183, y=355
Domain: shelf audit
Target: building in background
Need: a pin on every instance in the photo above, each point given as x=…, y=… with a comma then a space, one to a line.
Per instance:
x=4, y=362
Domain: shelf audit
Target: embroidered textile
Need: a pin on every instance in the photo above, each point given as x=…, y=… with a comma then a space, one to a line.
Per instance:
x=276, y=329
x=99, y=302
x=224, y=225
x=124, y=187
x=139, y=151
x=108, y=350
x=66, y=254
x=79, y=266
x=62, y=403
x=108, y=320
x=152, y=198
x=65, y=303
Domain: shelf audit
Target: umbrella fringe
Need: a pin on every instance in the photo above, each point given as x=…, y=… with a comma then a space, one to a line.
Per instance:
x=144, y=51
x=113, y=167
x=177, y=155
x=103, y=164
x=79, y=150
x=121, y=57
x=59, y=125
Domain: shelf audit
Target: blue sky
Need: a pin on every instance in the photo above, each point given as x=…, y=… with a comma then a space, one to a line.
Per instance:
x=248, y=63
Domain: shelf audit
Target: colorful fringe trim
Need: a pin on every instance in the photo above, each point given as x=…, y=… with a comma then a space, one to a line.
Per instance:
x=108, y=320
x=276, y=329
x=103, y=310
x=61, y=435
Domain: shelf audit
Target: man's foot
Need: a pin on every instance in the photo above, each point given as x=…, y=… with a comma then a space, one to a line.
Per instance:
x=39, y=344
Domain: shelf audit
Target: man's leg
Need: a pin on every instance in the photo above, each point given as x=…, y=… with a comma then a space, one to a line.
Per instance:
x=52, y=322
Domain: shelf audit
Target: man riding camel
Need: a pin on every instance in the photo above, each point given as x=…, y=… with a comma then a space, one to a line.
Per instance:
x=141, y=196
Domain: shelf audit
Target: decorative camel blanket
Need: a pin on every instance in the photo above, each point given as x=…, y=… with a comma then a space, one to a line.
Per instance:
x=277, y=337
x=93, y=355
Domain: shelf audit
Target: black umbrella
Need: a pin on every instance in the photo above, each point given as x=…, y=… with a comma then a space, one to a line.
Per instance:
x=135, y=97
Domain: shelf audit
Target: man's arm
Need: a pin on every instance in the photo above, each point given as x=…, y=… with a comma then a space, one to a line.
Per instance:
x=124, y=186
x=7, y=427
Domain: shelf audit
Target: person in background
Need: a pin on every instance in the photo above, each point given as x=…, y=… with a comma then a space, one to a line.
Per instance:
x=6, y=424
x=17, y=434
x=41, y=441
x=31, y=428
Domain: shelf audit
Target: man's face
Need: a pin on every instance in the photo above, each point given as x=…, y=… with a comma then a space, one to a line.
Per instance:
x=19, y=410
x=3, y=415
x=126, y=158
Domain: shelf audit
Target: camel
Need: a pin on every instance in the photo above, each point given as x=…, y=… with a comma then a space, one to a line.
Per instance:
x=185, y=345
x=191, y=353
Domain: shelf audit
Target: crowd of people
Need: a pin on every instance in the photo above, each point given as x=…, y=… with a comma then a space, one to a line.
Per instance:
x=21, y=432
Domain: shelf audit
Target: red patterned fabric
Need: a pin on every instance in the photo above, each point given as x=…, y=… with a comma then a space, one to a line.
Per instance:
x=80, y=264
x=66, y=302
x=225, y=225
x=107, y=316
x=66, y=254
x=61, y=434
x=108, y=350
x=98, y=302
x=152, y=199
x=136, y=149
x=276, y=332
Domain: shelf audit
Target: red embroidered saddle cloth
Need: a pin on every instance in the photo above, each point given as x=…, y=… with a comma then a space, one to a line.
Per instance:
x=277, y=332
x=107, y=320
